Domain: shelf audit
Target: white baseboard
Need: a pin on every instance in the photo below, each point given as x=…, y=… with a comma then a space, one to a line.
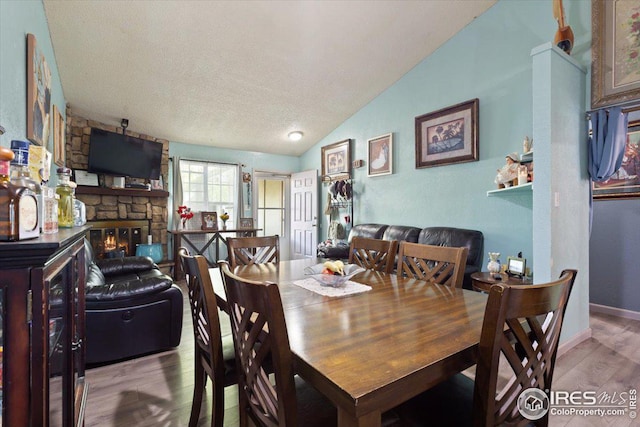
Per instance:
x=574, y=341
x=613, y=311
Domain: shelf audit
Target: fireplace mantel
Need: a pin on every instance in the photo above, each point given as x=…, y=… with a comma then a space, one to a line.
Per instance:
x=85, y=189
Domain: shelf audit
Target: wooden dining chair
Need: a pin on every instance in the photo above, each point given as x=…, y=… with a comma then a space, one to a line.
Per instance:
x=262, y=345
x=253, y=250
x=373, y=254
x=214, y=352
x=439, y=264
x=517, y=351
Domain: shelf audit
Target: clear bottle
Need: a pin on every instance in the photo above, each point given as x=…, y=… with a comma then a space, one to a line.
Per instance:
x=50, y=221
x=21, y=175
x=66, y=202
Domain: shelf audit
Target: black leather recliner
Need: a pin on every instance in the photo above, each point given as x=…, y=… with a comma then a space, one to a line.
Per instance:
x=132, y=308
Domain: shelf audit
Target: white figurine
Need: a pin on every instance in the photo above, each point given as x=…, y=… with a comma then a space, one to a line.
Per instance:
x=508, y=172
x=527, y=144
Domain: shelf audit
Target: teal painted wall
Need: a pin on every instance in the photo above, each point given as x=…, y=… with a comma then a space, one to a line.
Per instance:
x=490, y=60
x=17, y=19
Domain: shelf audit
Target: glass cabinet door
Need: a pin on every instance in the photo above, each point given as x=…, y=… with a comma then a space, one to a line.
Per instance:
x=2, y=304
x=58, y=344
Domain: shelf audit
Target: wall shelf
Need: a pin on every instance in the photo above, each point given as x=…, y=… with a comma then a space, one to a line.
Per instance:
x=512, y=191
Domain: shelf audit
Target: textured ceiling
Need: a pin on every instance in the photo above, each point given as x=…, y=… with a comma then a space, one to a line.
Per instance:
x=241, y=74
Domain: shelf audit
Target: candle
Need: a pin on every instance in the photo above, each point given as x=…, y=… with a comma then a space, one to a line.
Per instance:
x=149, y=239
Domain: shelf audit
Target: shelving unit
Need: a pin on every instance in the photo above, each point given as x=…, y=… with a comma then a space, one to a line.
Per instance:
x=341, y=206
x=512, y=191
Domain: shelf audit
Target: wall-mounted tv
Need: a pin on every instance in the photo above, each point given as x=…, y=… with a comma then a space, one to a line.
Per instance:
x=120, y=155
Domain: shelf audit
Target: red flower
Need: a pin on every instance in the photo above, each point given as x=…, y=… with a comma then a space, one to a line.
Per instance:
x=634, y=54
x=635, y=15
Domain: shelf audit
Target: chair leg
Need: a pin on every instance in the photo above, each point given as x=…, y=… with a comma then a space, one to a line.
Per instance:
x=198, y=389
x=217, y=420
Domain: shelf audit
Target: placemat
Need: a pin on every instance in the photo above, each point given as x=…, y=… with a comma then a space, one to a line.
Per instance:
x=350, y=288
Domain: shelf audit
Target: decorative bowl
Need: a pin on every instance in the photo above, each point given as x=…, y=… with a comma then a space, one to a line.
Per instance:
x=333, y=280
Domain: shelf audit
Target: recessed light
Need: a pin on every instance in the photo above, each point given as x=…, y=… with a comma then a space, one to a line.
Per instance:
x=295, y=135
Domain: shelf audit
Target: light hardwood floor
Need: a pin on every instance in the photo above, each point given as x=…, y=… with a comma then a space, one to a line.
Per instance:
x=156, y=390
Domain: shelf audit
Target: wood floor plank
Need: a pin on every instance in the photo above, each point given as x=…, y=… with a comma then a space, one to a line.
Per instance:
x=156, y=390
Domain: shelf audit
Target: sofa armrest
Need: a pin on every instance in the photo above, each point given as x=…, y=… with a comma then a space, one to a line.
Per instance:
x=126, y=265
x=131, y=286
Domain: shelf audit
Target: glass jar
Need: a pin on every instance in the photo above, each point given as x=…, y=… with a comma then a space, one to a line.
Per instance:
x=50, y=220
x=66, y=203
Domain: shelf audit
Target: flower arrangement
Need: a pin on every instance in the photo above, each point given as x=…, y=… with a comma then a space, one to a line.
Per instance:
x=224, y=217
x=185, y=213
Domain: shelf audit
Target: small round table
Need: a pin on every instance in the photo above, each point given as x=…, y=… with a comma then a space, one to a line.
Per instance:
x=482, y=281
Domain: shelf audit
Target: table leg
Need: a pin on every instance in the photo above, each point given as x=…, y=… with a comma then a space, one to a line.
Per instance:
x=178, y=274
x=372, y=419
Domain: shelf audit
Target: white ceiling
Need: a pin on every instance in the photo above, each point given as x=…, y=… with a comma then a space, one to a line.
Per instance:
x=242, y=74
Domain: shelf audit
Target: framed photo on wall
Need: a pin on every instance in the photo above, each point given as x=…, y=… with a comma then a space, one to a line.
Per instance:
x=380, y=155
x=615, y=53
x=58, y=137
x=209, y=220
x=336, y=160
x=38, y=94
x=625, y=183
x=447, y=136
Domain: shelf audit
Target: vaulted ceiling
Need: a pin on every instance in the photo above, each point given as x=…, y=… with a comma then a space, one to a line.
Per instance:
x=242, y=74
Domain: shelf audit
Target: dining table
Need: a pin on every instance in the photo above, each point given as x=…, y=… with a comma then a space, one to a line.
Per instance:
x=368, y=352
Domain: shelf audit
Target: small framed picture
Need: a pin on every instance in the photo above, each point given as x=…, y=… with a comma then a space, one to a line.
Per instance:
x=82, y=177
x=246, y=222
x=380, y=155
x=156, y=184
x=516, y=266
x=209, y=220
x=336, y=160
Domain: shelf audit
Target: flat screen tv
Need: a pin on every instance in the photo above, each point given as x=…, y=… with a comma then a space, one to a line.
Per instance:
x=122, y=155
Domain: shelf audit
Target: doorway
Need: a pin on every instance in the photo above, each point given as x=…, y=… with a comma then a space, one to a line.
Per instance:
x=271, y=192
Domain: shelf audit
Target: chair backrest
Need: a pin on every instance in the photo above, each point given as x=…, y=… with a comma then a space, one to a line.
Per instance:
x=438, y=264
x=373, y=254
x=260, y=337
x=253, y=250
x=204, y=312
x=522, y=325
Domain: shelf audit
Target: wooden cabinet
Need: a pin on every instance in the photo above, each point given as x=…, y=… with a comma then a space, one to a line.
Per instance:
x=42, y=288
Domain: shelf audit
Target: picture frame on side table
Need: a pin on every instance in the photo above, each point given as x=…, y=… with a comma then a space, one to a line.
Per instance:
x=447, y=136
x=38, y=94
x=58, y=137
x=246, y=223
x=625, y=183
x=516, y=266
x=380, y=155
x=336, y=160
x=615, y=59
x=209, y=221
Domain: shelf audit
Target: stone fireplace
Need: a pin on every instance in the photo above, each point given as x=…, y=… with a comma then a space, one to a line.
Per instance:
x=117, y=237
x=107, y=205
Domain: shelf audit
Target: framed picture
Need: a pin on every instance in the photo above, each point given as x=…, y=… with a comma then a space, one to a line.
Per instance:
x=625, y=183
x=209, y=220
x=380, y=155
x=246, y=222
x=447, y=136
x=156, y=184
x=336, y=160
x=82, y=177
x=38, y=94
x=615, y=53
x=58, y=137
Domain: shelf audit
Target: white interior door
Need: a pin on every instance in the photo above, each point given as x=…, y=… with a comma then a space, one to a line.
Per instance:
x=304, y=214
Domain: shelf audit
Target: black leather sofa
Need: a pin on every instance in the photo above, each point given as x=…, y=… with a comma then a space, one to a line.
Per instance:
x=473, y=240
x=131, y=309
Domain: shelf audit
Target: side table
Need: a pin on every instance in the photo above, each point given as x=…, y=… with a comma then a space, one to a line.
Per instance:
x=482, y=280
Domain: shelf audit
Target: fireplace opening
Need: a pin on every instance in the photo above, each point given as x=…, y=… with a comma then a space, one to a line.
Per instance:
x=111, y=239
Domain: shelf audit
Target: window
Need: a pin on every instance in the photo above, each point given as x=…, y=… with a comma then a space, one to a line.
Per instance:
x=271, y=206
x=208, y=186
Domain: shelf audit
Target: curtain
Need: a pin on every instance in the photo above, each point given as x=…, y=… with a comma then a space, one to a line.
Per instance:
x=177, y=193
x=607, y=140
x=239, y=200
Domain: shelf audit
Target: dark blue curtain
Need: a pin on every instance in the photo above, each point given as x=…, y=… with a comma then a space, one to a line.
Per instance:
x=607, y=141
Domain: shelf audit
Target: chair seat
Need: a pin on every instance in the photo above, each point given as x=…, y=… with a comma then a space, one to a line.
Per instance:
x=449, y=404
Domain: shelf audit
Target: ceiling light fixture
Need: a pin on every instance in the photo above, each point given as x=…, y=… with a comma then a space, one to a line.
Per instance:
x=295, y=135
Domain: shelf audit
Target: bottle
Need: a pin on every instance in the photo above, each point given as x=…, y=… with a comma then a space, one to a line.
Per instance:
x=21, y=174
x=66, y=203
x=18, y=205
x=50, y=220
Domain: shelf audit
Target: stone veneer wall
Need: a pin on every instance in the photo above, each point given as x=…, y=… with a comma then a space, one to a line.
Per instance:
x=117, y=206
